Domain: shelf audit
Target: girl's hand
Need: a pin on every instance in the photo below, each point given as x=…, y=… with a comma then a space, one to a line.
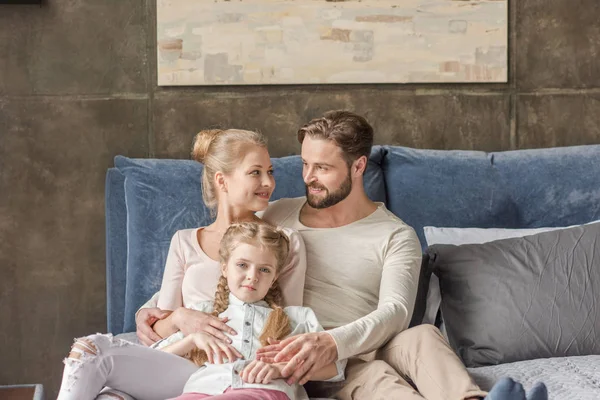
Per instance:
x=260, y=372
x=216, y=350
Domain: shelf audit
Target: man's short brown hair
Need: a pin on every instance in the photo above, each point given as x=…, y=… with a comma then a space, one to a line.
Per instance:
x=350, y=132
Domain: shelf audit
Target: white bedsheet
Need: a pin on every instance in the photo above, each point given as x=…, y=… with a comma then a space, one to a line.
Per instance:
x=567, y=378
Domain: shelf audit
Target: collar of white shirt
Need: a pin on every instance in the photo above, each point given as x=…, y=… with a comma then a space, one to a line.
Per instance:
x=233, y=300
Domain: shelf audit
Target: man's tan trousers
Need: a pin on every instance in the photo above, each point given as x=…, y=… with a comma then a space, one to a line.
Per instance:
x=421, y=355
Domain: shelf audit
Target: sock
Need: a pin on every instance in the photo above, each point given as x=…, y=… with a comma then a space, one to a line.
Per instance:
x=507, y=389
x=538, y=392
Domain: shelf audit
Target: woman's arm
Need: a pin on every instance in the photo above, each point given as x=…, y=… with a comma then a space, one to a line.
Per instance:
x=216, y=350
x=167, y=299
x=194, y=321
x=166, y=326
x=170, y=289
x=144, y=320
x=292, y=277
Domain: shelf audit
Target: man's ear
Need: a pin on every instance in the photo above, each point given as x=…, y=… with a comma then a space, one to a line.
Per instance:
x=221, y=182
x=359, y=165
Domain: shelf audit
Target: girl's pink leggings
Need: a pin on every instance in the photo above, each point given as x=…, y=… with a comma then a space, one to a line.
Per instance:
x=238, y=394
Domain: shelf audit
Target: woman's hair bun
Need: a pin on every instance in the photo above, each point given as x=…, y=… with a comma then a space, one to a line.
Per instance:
x=202, y=143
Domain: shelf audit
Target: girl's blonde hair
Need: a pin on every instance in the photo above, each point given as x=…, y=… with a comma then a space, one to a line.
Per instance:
x=269, y=239
x=221, y=150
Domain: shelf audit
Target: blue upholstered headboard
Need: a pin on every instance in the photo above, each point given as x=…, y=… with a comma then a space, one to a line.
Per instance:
x=148, y=200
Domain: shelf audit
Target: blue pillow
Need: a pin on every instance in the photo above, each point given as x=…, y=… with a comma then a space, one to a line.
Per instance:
x=116, y=249
x=552, y=187
x=513, y=189
x=373, y=179
x=446, y=188
x=162, y=196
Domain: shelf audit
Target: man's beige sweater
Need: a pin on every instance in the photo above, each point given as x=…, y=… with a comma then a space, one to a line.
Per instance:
x=361, y=278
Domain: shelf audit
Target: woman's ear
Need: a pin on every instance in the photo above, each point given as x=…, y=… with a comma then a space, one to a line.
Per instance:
x=224, y=270
x=221, y=182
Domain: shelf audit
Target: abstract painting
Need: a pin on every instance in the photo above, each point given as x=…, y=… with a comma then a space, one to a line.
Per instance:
x=263, y=42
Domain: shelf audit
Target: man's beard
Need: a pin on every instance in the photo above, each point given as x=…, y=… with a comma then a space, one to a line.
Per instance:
x=330, y=199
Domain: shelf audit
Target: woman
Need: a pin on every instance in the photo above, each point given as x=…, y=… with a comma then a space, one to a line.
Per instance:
x=237, y=181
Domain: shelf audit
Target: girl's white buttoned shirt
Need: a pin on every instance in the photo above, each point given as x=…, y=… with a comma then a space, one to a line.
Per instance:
x=248, y=320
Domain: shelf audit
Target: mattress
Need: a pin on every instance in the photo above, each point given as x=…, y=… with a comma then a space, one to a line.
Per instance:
x=567, y=378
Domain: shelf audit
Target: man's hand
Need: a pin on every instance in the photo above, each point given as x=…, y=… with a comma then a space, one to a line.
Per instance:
x=215, y=349
x=260, y=372
x=268, y=353
x=192, y=321
x=306, y=354
x=144, y=320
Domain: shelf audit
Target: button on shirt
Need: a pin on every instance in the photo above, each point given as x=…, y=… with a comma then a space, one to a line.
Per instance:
x=248, y=320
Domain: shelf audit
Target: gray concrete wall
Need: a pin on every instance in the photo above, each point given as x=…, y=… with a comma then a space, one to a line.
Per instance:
x=78, y=86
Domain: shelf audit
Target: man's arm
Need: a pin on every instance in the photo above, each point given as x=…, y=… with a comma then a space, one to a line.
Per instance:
x=397, y=294
x=328, y=373
x=307, y=356
x=400, y=275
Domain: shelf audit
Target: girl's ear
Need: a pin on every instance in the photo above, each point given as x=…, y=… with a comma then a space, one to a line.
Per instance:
x=224, y=270
x=221, y=182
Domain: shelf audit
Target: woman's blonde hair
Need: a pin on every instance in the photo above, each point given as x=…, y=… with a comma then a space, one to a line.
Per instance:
x=221, y=150
x=269, y=239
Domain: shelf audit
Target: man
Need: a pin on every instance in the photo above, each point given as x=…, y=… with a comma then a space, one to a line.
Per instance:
x=363, y=267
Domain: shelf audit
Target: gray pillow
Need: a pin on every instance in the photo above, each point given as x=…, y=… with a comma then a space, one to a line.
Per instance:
x=524, y=298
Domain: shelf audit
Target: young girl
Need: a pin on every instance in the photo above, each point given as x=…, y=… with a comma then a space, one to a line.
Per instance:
x=252, y=256
x=237, y=181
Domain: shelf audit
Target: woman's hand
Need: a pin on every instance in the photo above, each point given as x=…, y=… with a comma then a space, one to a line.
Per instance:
x=261, y=372
x=144, y=320
x=216, y=350
x=192, y=321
